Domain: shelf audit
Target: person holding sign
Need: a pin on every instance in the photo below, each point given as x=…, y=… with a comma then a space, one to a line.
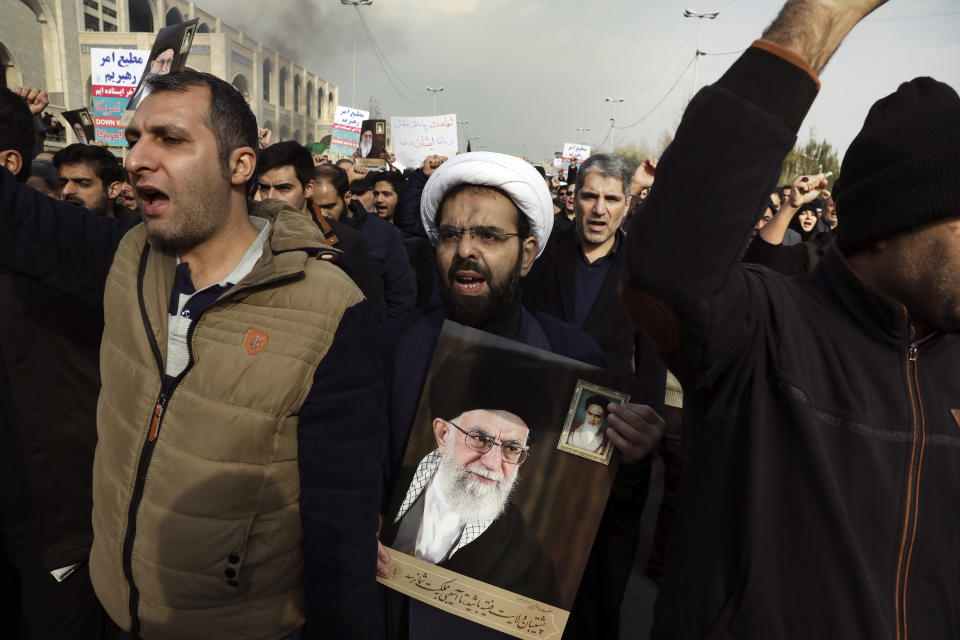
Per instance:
x=489, y=215
x=456, y=512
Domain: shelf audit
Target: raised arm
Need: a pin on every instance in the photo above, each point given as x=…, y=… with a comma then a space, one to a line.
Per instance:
x=56, y=243
x=714, y=178
x=804, y=190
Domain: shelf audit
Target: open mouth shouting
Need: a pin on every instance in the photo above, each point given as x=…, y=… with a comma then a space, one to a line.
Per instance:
x=596, y=225
x=469, y=283
x=155, y=202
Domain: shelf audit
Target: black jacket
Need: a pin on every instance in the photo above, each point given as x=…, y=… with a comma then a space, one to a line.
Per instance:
x=363, y=266
x=49, y=385
x=386, y=244
x=549, y=288
x=507, y=554
x=819, y=495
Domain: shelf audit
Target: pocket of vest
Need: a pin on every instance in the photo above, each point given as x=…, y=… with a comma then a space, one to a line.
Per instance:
x=234, y=561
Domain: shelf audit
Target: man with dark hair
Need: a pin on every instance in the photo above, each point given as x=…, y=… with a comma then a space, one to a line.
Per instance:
x=331, y=195
x=89, y=177
x=233, y=349
x=49, y=380
x=45, y=178
x=386, y=191
x=16, y=126
x=564, y=218
x=387, y=186
x=285, y=171
x=819, y=494
x=489, y=215
x=577, y=280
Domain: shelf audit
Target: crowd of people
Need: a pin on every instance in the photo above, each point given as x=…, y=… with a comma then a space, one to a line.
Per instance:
x=212, y=355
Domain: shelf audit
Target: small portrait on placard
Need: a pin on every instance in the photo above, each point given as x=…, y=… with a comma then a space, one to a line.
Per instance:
x=585, y=429
x=187, y=39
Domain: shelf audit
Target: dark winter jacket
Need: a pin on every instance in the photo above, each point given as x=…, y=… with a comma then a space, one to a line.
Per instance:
x=338, y=421
x=407, y=216
x=819, y=495
x=386, y=244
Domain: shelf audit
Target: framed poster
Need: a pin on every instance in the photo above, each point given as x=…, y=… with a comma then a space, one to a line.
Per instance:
x=168, y=55
x=489, y=519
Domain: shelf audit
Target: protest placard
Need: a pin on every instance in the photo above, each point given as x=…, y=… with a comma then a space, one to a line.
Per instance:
x=82, y=125
x=416, y=137
x=345, y=136
x=115, y=74
x=573, y=150
x=168, y=55
x=529, y=511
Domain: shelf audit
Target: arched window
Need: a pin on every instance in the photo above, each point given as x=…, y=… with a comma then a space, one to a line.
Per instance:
x=267, y=72
x=297, y=136
x=284, y=74
x=320, y=100
x=243, y=85
x=296, y=94
x=141, y=16
x=203, y=28
x=309, y=96
x=9, y=72
x=174, y=17
x=284, y=133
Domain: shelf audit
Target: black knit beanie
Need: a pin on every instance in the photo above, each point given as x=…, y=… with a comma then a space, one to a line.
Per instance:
x=903, y=168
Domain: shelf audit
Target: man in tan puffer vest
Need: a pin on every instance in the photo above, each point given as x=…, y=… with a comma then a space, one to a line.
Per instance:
x=232, y=342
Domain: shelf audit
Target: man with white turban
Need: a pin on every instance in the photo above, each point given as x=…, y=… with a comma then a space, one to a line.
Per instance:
x=490, y=216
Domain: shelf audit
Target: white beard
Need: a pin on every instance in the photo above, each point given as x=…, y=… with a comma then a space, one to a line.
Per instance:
x=468, y=497
x=365, y=148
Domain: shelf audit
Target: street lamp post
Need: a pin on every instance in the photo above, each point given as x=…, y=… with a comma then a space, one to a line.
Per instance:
x=459, y=123
x=434, y=92
x=356, y=4
x=699, y=15
x=583, y=130
x=613, y=103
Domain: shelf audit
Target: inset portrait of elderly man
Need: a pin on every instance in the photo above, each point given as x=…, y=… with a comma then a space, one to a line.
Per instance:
x=456, y=511
x=589, y=434
x=585, y=431
x=81, y=136
x=366, y=142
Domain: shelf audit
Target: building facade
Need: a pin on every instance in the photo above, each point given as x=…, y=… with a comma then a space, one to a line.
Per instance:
x=46, y=44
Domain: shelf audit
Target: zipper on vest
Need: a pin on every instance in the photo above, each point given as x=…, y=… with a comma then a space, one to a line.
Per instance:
x=910, y=514
x=156, y=422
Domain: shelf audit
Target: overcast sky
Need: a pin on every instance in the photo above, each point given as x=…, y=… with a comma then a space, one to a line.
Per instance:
x=527, y=74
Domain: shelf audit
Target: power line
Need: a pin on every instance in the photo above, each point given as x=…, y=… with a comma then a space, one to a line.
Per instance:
x=660, y=101
x=384, y=62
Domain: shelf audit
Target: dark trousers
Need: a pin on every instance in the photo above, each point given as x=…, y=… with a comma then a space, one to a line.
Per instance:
x=37, y=607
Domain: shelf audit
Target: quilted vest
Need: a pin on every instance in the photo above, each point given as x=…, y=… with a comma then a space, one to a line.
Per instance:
x=196, y=518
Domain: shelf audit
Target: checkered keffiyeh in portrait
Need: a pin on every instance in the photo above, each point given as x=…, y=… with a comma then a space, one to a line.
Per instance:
x=425, y=470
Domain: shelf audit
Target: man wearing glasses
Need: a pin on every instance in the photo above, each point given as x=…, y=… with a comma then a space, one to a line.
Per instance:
x=457, y=513
x=489, y=216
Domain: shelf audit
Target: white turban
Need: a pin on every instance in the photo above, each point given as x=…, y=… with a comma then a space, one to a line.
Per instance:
x=515, y=177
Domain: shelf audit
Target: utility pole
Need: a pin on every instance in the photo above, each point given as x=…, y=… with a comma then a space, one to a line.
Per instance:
x=356, y=4
x=699, y=15
x=459, y=124
x=434, y=92
x=613, y=103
